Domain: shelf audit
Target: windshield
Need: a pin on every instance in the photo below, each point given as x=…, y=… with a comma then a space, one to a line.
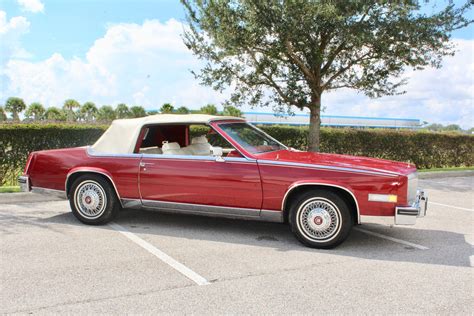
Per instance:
x=251, y=138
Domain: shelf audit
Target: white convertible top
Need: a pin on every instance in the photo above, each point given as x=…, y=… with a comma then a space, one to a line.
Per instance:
x=121, y=136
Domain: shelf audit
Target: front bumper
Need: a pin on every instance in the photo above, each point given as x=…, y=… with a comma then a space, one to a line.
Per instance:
x=24, y=182
x=407, y=215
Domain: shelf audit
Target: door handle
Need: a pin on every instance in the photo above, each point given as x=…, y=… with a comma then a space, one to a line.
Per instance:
x=144, y=164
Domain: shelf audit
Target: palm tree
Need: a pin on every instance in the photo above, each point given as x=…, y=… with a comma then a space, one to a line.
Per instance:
x=89, y=111
x=182, y=110
x=122, y=111
x=69, y=106
x=35, y=111
x=106, y=113
x=209, y=109
x=230, y=110
x=137, y=111
x=55, y=114
x=3, y=115
x=15, y=106
x=167, y=108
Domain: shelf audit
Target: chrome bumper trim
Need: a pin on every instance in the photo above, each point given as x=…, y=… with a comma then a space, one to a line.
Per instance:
x=407, y=215
x=24, y=182
x=52, y=192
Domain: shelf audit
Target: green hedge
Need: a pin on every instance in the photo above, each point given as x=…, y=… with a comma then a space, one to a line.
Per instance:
x=18, y=140
x=424, y=149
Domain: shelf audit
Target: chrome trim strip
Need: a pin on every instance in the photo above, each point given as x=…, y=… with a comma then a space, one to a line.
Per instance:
x=57, y=193
x=314, y=166
x=93, y=171
x=200, y=208
x=92, y=153
x=271, y=216
x=292, y=187
x=206, y=210
x=132, y=203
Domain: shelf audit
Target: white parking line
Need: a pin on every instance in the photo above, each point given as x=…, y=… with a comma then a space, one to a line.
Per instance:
x=450, y=206
x=190, y=274
x=368, y=232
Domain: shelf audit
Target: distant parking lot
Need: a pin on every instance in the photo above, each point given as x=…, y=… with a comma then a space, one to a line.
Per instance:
x=149, y=262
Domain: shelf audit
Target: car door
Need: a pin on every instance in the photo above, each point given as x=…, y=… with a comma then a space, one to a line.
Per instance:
x=201, y=184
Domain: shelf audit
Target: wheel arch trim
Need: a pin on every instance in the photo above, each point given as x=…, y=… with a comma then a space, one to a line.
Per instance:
x=312, y=183
x=92, y=170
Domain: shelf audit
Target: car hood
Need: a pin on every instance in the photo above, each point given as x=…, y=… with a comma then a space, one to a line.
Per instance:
x=343, y=161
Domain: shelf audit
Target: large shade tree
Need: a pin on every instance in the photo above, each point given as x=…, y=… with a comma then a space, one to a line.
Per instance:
x=289, y=53
x=15, y=106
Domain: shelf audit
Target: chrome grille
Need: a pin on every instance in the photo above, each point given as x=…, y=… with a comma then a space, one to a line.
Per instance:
x=412, y=187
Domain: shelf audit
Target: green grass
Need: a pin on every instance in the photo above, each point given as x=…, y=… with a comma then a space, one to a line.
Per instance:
x=447, y=169
x=9, y=189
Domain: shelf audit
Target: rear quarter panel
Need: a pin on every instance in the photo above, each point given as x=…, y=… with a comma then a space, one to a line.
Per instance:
x=50, y=169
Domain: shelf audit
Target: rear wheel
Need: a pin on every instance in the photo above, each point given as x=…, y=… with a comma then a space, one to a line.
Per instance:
x=93, y=200
x=320, y=219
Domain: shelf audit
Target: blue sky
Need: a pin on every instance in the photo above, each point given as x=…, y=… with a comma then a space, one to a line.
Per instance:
x=111, y=51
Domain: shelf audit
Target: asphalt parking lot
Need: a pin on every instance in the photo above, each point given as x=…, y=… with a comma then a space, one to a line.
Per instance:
x=149, y=262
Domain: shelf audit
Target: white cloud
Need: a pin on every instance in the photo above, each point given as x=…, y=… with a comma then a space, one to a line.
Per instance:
x=11, y=32
x=144, y=64
x=34, y=6
x=442, y=95
x=148, y=64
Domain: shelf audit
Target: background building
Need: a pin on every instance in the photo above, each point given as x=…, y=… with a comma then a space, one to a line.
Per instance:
x=333, y=120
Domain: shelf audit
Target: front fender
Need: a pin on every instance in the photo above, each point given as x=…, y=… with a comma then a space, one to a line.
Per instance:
x=323, y=183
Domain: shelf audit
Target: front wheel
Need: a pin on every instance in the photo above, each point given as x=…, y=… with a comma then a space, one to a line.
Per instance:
x=320, y=219
x=93, y=200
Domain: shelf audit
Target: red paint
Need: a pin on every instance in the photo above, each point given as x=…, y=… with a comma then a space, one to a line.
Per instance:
x=254, y=183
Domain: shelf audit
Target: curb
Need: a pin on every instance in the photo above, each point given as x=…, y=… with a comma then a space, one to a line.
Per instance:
x=445, y=174
x=26, y=197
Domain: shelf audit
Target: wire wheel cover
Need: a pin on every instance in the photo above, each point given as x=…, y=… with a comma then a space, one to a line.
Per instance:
x=90, y=199
x=319, y=219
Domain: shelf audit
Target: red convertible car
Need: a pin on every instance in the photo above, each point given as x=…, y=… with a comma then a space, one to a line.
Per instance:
x=224, y=166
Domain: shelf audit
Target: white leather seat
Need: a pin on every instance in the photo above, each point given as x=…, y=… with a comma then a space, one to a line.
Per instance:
x=200, y=146
x=171, y=148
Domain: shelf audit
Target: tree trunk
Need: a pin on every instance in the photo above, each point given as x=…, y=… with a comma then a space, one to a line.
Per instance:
x=314, y=124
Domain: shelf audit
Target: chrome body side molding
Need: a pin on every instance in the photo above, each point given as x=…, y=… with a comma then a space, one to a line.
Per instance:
x=56, y=193
x=206, y=210
x=92, y=153
x=292, y=187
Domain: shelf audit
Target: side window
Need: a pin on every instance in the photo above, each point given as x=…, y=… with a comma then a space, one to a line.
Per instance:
x=163, y=139
x=184, y=140
x=204, y=141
